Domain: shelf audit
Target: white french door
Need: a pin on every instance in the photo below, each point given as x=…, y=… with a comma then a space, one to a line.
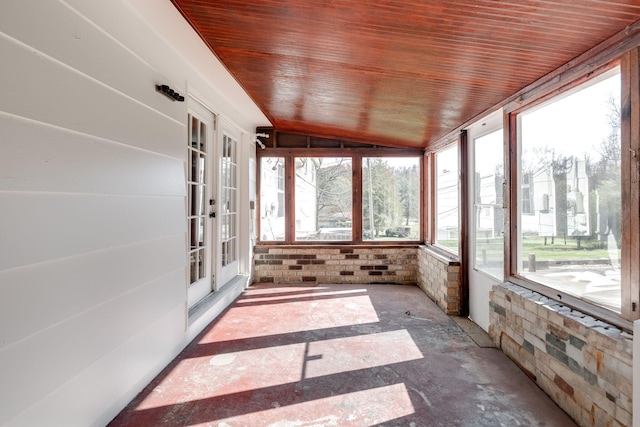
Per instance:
x=200, y=198
x=486, y=216
x=227, y=208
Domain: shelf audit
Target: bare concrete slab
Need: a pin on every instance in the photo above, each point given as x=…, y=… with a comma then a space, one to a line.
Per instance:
x=340, y=355
x=475, y=332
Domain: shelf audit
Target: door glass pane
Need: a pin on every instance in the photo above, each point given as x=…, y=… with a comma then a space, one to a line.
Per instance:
x=196, y=192
x=488, y=240
x=229, y=200
x=201, y=231
x=447, y=198
x=323, y=198
x=193, y=156
x=224, y=252
x=272, y=212
x=201, y=174
x=194, y=132
x=201, y=269
x=193, y=200
x=570, y=192
x=193, y=232
x=391, y=198
x=203, y=137
x=193, y=267
x=201, y=200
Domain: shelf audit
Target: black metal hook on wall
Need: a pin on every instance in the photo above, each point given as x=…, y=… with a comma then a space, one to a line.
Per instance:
x=170, y=93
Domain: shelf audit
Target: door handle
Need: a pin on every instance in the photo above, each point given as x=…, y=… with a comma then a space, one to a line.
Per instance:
x=212, y=214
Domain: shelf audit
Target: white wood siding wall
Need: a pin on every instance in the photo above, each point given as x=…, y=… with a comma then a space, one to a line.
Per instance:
x=92, y=201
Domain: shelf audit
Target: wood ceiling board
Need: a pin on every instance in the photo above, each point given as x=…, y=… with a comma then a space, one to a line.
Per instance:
x=400, y=73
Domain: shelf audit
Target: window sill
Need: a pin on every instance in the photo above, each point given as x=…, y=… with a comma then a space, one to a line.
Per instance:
x=575, y=303
x=440, y=253
x=342, y=245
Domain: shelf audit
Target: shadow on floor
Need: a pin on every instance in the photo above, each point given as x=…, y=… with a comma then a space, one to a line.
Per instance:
x=339, y=355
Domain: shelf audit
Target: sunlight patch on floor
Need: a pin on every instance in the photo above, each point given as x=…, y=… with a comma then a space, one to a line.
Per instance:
x=360, y=352
x=362, y=408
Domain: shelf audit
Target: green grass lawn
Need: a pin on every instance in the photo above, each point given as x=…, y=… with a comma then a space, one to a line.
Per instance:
x=590, y=249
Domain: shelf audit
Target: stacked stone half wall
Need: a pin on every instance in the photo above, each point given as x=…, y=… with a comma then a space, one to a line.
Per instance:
x=584, y=364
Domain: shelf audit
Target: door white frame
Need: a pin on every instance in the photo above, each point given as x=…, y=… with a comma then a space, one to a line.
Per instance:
x=228, y=172
x=480, y=282
x=201, y=153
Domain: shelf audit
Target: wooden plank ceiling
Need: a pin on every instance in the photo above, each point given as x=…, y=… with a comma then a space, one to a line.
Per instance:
x=395, y=72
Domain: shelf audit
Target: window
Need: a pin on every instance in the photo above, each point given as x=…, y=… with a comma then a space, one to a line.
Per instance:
x=348, y=192
x=487, y=242
x=272, y=209
x=323, y=198
x=447, y=199
x=228, y=201
x=570, y=186
x=197, y=190
x=390, y=198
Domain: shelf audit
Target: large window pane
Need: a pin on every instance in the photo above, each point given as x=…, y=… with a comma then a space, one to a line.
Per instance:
x=391, y=198
x=272, y=212
x=323, y=198
x=447, y=199
x=488, y=238
x=569, y=183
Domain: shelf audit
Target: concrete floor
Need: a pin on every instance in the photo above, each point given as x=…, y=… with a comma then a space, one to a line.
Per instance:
x=339, y=355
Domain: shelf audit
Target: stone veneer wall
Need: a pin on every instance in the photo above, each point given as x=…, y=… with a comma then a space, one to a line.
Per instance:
x=326, y=264
x=439, y=278
x=584, y=364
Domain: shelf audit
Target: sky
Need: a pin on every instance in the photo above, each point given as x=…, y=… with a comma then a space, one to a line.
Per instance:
x=572, y=124
x=575, y=123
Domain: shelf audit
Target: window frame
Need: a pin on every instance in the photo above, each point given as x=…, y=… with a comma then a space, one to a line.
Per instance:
x=306, y=163
x=629, y=63
x=433, y=235
x=356, y=154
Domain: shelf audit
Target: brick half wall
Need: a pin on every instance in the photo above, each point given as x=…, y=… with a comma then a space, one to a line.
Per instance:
x=321, y=264
x=584, y=364
x=439, y=278
x=437, y=275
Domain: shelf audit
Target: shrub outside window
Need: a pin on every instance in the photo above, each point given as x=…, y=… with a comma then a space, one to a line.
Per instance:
x=570, y=183
x=316, y=199
x=323, y=202
x=390, y=198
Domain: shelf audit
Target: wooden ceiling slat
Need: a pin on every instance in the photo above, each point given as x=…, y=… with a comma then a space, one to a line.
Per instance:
x=352, y=69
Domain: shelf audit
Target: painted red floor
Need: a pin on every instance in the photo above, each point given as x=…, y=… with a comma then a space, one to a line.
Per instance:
x=339, y=355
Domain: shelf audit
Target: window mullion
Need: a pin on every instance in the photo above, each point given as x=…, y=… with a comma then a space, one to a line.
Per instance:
x=431, y=203
x=510, y=195
x=289, y=198
x=630, y=150
x=356, y=213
